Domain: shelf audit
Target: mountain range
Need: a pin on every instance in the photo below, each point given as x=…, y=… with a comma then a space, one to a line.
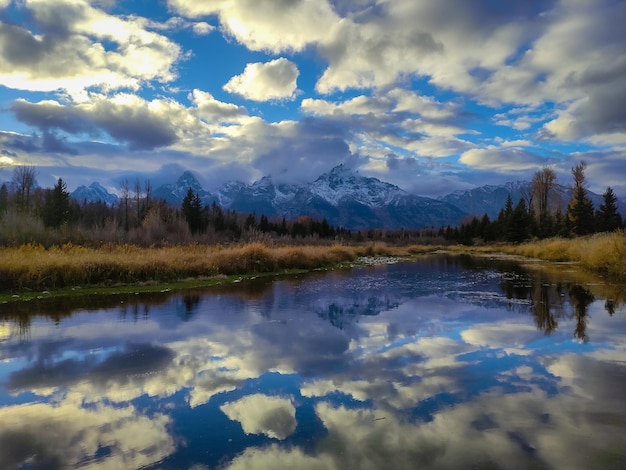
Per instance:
x=341, y=196
x=344, y=198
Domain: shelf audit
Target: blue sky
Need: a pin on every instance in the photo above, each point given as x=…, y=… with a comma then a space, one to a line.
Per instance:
x=431, y=95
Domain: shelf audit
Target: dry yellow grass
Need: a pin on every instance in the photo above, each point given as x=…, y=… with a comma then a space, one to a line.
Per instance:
x=603, y=253
x=37, y=268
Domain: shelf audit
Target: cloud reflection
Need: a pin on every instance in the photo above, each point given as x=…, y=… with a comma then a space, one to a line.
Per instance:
x=260, y=414
x=444, y=378
x=67, y=434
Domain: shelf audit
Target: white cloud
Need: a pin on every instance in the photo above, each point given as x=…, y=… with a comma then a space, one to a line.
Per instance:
x=270, y=25
x=65, y=51
x=202, y=28
x=261, y=414
x=274, y=80
x=504, y=159
x=125, y=117
x=212, y=110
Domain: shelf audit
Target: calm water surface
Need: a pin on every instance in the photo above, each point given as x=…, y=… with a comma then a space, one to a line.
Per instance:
x=443, y=363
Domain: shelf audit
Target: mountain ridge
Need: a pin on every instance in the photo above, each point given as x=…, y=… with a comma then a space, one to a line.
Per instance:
x=345, y=198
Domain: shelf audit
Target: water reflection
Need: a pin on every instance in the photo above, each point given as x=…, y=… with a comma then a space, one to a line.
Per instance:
x=449, y=362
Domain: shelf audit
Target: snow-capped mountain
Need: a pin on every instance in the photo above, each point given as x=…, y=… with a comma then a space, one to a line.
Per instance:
x=341, y=196
x=174, y=193
x=93, y=193
x=345, y=198
x=341, y=183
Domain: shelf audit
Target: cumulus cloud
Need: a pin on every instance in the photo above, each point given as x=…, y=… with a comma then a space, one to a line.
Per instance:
x=127, y=118
x=274, y=80
x=520, y=54
x=213, y=110
x=269, y=25
x=504, y=159
x=64, y=50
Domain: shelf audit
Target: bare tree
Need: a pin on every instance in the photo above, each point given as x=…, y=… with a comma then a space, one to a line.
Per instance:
x=147, y=188
x=125, y=188
x=24, y=179
x=542, y=184
x=578, y=172
x=138, y=198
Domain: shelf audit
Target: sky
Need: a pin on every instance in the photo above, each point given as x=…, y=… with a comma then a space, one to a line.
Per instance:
x=431, y=95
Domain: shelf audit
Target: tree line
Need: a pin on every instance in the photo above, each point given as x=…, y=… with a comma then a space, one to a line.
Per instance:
x=30, y=214
x=50, y=215
x=533, y=216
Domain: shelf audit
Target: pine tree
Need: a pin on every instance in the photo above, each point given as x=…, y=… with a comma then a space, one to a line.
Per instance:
x=56, y=209
x=504, y=219
x=580, y=209
x=192, y=211
x=519, y=223
x=4, y=199
x=608, y=218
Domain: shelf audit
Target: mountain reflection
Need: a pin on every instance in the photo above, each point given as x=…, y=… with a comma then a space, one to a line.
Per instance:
x=447, y=362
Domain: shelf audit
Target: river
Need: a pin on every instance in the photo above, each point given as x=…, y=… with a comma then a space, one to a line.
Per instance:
x=447, y=362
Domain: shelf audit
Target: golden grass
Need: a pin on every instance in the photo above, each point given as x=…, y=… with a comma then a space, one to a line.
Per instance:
x=36, y=268
x=33, y=267
x=604, y=253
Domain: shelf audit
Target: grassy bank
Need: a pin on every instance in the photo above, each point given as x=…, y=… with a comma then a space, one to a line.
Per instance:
x=33, y=268
x=602, y=253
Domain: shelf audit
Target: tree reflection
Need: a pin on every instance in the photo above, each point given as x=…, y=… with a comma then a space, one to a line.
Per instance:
x=610, y=305
x=580, y=298
x=542, y=297
x=190, y=305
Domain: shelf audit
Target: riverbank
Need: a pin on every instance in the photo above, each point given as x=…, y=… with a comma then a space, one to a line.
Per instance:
x=602, y=253
x=32, y=271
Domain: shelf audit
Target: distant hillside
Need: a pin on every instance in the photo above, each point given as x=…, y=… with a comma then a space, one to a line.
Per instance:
x=490, y=199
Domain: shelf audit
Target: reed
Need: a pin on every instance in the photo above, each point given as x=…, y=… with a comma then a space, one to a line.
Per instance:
x=604, y=253
x=34, y=267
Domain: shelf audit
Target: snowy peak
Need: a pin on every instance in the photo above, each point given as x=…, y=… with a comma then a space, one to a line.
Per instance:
x=95, y=192
x=341, y=196
x=188, y=180
x=175, y=193
x=341, y=183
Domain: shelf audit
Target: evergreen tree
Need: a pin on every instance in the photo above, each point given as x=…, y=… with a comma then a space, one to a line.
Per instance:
x=250, y=221
x=192, y=211
x=504, y=219
x=580, y=209
x=217, y=217
x=519, y=223
x=4, y=199
x=264, y=224
x=560, y=226
x=56, y=209
x=608, y=218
